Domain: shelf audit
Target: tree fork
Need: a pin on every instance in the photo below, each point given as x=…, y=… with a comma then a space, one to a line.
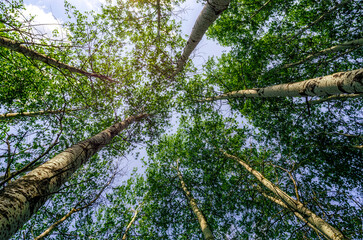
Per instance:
x=133, y=219
x=23, y=197
x=337, y=83
x=312, y=218
x=298, y=215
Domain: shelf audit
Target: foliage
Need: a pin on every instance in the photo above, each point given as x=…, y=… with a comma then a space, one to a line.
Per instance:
x=309, y=151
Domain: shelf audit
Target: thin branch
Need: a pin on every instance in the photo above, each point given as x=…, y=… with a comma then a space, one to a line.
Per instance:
x=336, y=97
x=74, y=210
x=343, y=46
x=319, y=19
x=29, y=165
x=17, y=46
x=132, y=221
x=259, y=10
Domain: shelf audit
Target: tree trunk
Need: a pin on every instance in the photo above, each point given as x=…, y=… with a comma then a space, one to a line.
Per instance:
x=17, y=47
x=73, y=210
x=31, y=114
x=298, y=215
x=312, y=218
x=337, y=83
x=23, y=197
x=208, y=235
x=131, y=222
x=207, y=16
x=343, y=46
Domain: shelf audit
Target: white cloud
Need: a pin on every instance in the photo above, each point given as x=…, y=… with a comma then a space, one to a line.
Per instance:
x=43, y=22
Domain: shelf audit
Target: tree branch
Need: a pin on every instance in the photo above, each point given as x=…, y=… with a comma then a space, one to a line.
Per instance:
x=17, y=47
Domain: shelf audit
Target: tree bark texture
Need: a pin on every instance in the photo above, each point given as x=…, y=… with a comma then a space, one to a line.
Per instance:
x=343, y=46
x=18, y=47
x=208, y=235
x=73, y=210
x=23, y=197
x=207, y=16
x=337, y=83
x=296, y=206
x=31, y=114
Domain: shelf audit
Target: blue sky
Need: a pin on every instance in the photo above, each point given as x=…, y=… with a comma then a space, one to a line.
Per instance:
x=52, y=11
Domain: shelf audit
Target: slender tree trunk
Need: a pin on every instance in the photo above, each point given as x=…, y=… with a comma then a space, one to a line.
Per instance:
x=23, y=197
x=18, y=47
x=259, y=10
x=298, y=215
x=31, y=114
x=343, y=46
x=207, y=16
x=337, y=83
x=131, y=222
x=296, y=206
x=208, y=235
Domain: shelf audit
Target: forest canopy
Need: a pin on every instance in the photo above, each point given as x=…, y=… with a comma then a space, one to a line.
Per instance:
x=262, y=142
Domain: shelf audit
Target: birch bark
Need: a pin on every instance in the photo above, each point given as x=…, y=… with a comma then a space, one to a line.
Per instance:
x=73, y=210
x=337, y=83
x=208, y=235
x=298, y=215
x=312, y=218
x=23, y=197
x=207, y=16
x=31, y=114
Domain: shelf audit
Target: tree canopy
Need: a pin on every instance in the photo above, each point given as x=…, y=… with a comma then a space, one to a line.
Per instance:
x=264, y=142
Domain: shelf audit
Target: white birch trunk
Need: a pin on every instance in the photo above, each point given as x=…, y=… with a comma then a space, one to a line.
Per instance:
x=23, y=197
x=73, y=210
x=18, y=47
x=312, y=218
x=207, y=16
x=208, y=235
x=298, y=215
x=337, y=83
x=31, y=114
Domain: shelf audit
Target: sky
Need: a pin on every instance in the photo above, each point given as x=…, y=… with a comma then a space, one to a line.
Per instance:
x=52, y=12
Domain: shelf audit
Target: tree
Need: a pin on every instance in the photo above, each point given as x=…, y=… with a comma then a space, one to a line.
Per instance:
x=193, y=204
x=78, y=154
x=338, y=83
x=295, y=206
x=30, y=192
x=129, y=58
